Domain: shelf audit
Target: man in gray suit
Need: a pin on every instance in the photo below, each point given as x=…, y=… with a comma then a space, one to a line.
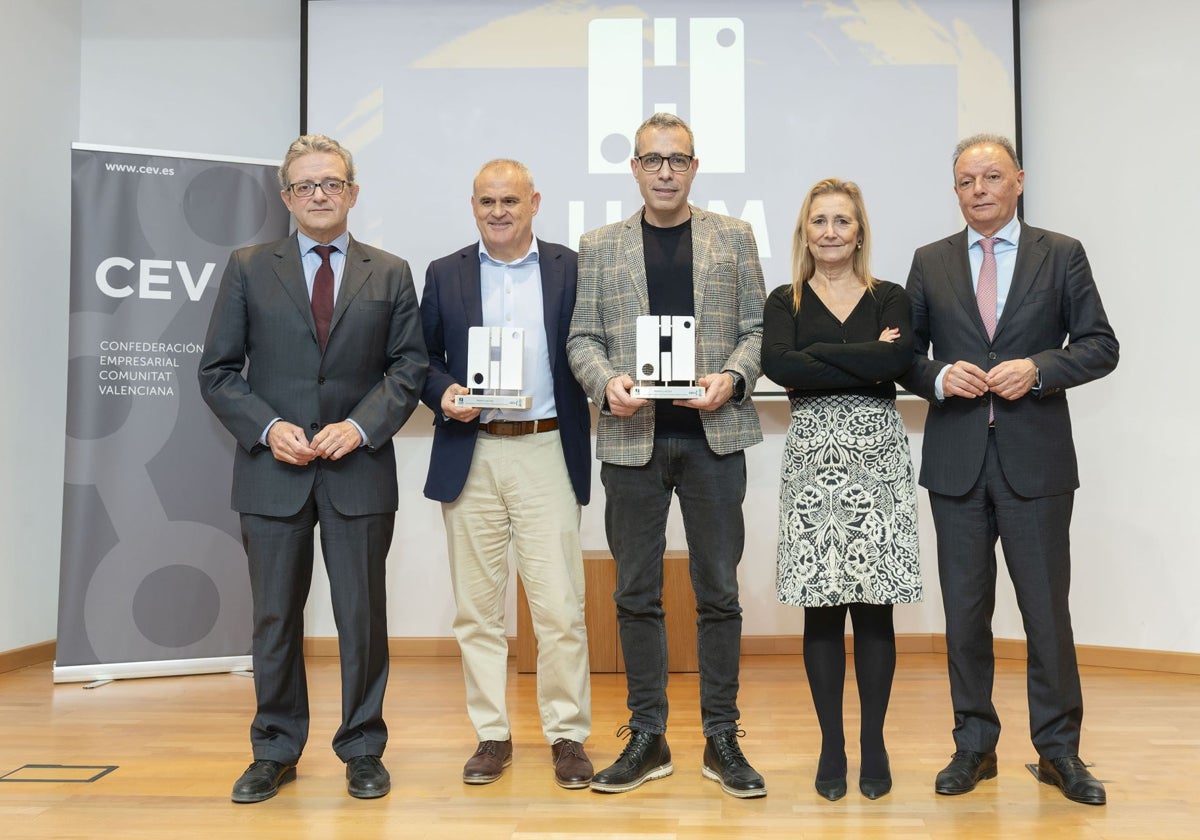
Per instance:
x=1014, y=319
x=671, y=258
x=314, y=359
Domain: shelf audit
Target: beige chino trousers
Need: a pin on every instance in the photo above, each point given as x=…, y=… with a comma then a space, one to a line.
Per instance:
x=518, y=495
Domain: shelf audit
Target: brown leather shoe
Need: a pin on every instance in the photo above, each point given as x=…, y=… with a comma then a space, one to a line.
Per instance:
x=572, y=769
x=488, y=762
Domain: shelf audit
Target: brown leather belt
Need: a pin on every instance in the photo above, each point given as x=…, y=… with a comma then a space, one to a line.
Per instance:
x=509, y=428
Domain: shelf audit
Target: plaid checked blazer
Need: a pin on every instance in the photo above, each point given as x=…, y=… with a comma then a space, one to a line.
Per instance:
x=727, y=282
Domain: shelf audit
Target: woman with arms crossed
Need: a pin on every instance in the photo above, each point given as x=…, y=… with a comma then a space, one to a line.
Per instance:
x=835, y=338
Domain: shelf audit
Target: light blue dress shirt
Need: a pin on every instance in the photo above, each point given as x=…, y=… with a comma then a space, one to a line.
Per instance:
x=312, y=260
x=512, y=297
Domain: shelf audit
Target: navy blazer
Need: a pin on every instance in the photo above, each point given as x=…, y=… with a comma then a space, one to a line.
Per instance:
x=451, y=303
x=1053, y=315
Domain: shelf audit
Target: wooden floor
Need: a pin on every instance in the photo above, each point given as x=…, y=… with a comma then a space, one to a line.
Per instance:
x=178, y=743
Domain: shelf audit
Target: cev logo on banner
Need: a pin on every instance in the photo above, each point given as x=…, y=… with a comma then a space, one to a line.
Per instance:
x=716, y=89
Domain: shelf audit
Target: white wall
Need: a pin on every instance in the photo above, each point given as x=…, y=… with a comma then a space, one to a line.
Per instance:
x=39, y=94
x=1112, y=131
x=1108, y=94
x=219, y=77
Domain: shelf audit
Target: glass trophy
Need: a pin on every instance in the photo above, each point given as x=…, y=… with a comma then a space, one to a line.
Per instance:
x=666, y=358
x=495, y=367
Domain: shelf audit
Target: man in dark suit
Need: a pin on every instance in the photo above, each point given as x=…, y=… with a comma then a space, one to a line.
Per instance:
x=1014, y=319
x=512, y=476
x=670, y=258
x=313, y=361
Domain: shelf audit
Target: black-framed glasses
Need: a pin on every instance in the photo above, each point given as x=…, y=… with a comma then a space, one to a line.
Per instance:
x=653, y=161
x=305, y=189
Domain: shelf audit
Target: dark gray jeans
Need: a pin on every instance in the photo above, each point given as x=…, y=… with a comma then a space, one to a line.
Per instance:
x=711, y=489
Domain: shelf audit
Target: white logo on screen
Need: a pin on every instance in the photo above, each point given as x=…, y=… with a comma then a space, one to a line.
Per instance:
x=716, y=89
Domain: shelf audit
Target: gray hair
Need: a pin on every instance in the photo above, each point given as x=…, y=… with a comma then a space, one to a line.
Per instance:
x=307, y=144
x=988, y=139
x=521, y=169
x=663, y=120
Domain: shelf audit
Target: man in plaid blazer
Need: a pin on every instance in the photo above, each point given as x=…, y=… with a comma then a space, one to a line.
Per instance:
x=671, y=258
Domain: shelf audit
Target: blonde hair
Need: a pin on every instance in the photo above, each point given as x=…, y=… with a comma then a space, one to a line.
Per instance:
x=803, y=264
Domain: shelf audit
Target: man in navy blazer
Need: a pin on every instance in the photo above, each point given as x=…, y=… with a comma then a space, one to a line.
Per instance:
x=511, y=476
x=313, y=361
x=1014, y=319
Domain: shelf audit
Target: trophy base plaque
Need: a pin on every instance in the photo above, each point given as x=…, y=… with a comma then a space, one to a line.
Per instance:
x=517, y=402
x=667, y=392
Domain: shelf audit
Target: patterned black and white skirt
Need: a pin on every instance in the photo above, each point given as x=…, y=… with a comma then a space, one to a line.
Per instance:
x=847, y=505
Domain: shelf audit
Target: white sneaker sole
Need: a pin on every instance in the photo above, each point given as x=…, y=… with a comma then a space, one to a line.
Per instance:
x=740, y=794
x=659, y=772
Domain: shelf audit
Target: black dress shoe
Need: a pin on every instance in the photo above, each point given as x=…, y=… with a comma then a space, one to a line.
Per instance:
x=646, y=757
x=1071, y=776
x=831, y=776
x=965, y=770
x=724, y=763
x=261, y=780
x=876, y=788
x=367, y=778
x=831, y=789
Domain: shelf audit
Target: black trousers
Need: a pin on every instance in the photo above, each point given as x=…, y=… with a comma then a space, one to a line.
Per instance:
x=280, y=555
x=1035, y=536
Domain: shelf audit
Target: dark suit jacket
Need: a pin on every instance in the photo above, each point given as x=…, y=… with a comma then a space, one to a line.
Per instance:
x=1053, y=300
x=452, y=303
x=371, y=372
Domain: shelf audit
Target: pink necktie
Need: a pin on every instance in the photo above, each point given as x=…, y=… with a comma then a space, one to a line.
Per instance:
x=985, y=296
x=322, y=294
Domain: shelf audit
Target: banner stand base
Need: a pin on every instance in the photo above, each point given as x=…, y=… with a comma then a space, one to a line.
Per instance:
x=138, y=670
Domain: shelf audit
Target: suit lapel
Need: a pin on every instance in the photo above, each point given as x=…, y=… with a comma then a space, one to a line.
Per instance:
x=1031, y=254
x=958, y=271
x=355, y=272
x=551, y=269
x=290, y=273
x=632, y=251
x=469, y=286
x=702, y=235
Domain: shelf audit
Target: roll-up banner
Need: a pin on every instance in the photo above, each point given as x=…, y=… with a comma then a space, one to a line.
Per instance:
x=153, y=576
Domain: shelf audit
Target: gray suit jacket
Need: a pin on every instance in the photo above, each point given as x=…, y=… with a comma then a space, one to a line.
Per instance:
x=371, y=372
x=727, y=283
x=1053, y=301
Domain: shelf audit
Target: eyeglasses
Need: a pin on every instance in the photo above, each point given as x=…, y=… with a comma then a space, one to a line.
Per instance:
x=653, y=161
x=304, y=189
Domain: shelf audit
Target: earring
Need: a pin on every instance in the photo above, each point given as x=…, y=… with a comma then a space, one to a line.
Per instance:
x=860, y=244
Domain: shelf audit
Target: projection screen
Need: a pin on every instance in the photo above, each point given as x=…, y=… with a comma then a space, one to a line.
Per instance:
x=779, y=95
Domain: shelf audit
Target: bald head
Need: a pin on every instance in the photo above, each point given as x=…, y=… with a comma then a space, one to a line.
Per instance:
x=505, y=202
